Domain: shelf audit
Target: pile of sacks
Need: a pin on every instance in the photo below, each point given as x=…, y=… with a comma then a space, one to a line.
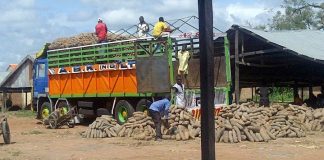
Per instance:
x=249, y=122
x=81, y=40
x=235, y=123
x=239, y=123
x=141, y=127
x=182, y=125
x=102, y=127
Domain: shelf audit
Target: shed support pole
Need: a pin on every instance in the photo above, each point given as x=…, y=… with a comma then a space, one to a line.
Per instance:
x=310, y=90
x=237, y=68
x=26, y=99
x=205, y=9
x=3, y=99
x=252, y=93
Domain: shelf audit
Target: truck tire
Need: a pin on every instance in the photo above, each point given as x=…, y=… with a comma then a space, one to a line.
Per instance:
x=63, y=107
x=5, y=132
x=123, y=110
x=52, y=120
x=143, y=105
x=46, y=110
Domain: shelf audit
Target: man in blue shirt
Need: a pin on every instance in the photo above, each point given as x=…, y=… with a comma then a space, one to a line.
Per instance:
x=157, y=110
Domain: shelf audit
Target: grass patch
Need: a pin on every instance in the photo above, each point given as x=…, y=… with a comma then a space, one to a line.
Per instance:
x=22, y=113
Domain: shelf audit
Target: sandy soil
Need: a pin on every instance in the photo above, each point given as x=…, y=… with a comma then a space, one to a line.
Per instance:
x=32, y=141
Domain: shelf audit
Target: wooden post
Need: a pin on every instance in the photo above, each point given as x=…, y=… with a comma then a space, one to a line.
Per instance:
x=237, y=68
x=3, y=103
x=310, y=90
x=252, y=93
x=26, y=95
x=205, y=9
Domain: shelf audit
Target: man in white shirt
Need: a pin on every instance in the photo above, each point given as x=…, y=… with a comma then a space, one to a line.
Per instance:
x=180, y=92
x=142, y=28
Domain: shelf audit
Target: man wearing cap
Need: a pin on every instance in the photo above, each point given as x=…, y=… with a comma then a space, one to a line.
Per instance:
x=101, y=31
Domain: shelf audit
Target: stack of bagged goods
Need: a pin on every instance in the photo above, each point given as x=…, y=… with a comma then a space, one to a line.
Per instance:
x=240, y=123
x=139, y=126
x=182, y=125
x=288, y=122
x=102, y=127
x=314, y=120
x=81, y=40
x=235, y=123
x=247, y=121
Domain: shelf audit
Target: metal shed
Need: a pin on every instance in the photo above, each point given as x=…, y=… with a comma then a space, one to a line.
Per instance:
x=276, y=58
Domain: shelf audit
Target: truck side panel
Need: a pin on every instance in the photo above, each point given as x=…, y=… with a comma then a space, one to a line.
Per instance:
x=96, y=83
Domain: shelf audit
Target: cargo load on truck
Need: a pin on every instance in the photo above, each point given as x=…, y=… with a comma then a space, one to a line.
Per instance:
x=83, y=39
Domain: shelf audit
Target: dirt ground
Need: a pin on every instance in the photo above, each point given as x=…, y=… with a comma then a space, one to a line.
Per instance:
x=32, y=141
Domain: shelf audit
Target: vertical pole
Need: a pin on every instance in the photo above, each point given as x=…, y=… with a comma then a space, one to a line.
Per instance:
x=3, y=103
x=26, y=99
x=237, y=68
x=310, y=90
x=252, y=93
x=205, y=9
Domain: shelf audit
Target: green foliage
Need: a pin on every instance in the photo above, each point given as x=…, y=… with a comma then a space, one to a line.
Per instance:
x=279, y=94
x=282, y=94
x=299, y=14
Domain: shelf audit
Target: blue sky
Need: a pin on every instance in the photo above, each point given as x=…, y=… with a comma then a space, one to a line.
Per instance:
x=25, y=25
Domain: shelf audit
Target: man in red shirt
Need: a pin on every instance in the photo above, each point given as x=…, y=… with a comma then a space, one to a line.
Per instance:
x=101, y=31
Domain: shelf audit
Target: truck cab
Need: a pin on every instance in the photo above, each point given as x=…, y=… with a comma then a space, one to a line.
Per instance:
x=40, y=77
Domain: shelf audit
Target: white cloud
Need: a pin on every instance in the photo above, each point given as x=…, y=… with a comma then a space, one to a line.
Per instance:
x=240, y=14
x=27, y=24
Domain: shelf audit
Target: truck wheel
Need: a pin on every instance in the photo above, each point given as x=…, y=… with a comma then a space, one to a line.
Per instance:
x=52, y=120
x=123, y=110
x=5, y=132
x=46, y=110
x=143, y=105
x=63, y=107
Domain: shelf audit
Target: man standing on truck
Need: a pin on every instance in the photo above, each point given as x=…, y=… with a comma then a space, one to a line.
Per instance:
x=142, y=28
x=183, y=57
x=180, y=92
x=159, y=110
x=101, y=31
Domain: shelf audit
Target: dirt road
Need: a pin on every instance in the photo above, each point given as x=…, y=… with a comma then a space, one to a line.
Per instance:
x=32, y=141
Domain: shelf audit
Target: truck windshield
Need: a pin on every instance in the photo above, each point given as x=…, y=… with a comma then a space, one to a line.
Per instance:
x=40, y=71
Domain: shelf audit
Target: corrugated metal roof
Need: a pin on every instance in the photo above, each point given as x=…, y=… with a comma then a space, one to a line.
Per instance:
x=309, y=43
x=3, y=75
x=19, y=81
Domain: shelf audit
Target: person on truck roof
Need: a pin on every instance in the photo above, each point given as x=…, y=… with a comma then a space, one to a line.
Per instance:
x=157, y=110
x=161, y=28
x=101, y=31
x=142, y=28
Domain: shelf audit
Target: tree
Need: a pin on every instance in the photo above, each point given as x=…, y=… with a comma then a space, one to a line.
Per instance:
x=299, y=14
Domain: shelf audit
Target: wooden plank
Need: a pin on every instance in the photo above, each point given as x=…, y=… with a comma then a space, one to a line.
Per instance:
x=207, y=79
